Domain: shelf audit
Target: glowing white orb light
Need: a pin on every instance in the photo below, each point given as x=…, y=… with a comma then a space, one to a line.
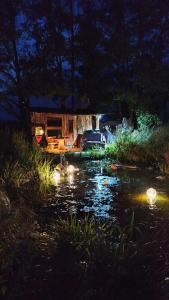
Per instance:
x=56, y=177
x=151, y=193
x=70, y=169
x=71, y=179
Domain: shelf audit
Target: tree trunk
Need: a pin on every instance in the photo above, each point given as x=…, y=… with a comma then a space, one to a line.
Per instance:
x=72, y=54
x=25, y=119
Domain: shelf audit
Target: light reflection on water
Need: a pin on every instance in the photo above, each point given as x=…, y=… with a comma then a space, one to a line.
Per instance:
x=100, y=194
x=95, y=192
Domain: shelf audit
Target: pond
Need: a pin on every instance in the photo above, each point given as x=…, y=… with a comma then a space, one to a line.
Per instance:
x=91, y=190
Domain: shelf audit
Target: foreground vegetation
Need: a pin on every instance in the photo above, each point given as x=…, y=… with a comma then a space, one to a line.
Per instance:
x=78, y=259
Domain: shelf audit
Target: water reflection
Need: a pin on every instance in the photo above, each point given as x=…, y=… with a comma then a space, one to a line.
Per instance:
x=100, y=194
x=105, y=195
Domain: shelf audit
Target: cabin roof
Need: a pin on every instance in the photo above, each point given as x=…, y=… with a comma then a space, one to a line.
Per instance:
x=42, y=104
x=53, y=105
x=69, y=111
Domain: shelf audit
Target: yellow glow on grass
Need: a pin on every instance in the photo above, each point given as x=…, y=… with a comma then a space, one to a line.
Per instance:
x=71, y=179
x=142, y=198
x=56, y=177
x=71, y=169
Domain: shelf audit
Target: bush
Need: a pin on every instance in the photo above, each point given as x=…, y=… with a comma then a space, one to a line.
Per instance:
x=123, y=147
x=147, y=121
x=148, y=145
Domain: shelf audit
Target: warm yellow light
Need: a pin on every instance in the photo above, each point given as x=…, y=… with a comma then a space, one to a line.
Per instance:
x=70, y=169
x=151, y=193
x=41, y=132
x=71, y=178
x=56, y=177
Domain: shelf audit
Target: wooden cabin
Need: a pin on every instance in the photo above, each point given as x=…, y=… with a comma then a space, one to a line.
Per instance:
x=63, y=131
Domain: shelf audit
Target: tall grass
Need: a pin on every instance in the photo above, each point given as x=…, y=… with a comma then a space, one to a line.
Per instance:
x=79, y=259
x=23, y=163
x=14, y=175
x=45, y=176
x=95, y=260
x=85, y=236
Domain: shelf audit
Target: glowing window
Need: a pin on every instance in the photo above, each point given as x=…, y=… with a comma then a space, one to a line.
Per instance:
x=39, y=131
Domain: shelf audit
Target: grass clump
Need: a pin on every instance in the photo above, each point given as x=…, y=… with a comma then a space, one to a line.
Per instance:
x=88, y=254
x=95, y=152
x=94, y=259
x=24, y=165
x=79, y=258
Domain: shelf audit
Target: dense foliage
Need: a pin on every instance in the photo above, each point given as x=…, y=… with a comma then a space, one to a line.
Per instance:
x=148, y=145
x=147, y=121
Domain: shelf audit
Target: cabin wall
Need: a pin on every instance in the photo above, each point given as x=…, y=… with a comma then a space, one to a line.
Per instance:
x=84, y=122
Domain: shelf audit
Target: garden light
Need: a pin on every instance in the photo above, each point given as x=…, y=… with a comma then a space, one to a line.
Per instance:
x=56, y=177
x=71, y=178
x=41, y=132
x=151, y=193
x=71, y=169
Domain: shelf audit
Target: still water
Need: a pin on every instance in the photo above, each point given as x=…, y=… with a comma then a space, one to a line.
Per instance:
x=91, y=190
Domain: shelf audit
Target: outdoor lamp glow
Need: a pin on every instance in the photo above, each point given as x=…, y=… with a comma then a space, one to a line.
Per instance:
x=70, y=169
x=41, y=131
x=56, y=177
x=70, y=178
x=151, y=193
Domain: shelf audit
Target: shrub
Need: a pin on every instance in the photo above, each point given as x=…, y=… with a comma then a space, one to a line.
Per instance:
x=149, y=144
x=124, y=145
x=146, y=120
